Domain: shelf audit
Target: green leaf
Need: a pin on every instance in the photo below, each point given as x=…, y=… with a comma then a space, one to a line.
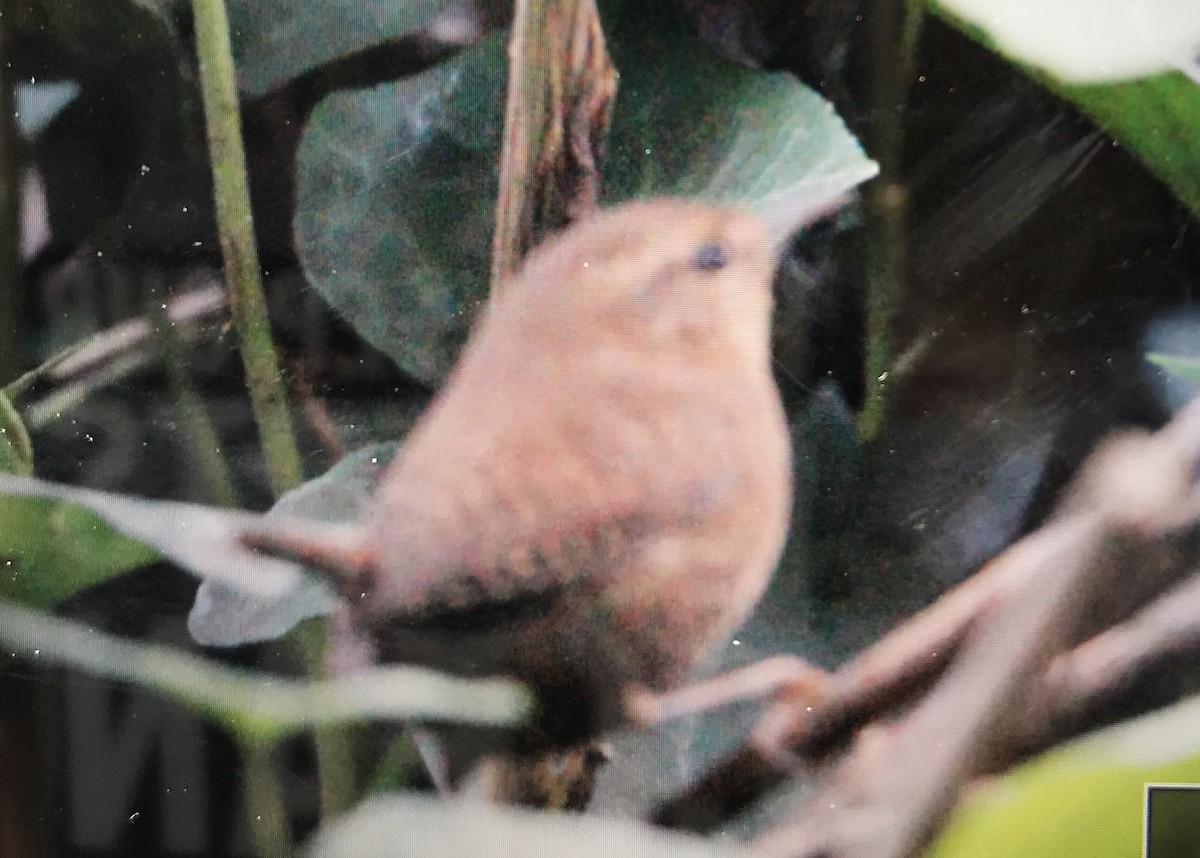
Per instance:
x=1083, y=800
x=1185, y=367
x=1088, y=40
x=1157, y=118
x=16, y=452
x=55, y=540
x=688, y=123
x=274, y=42
x=397, y=184
x=50, y=551
x=395, y=194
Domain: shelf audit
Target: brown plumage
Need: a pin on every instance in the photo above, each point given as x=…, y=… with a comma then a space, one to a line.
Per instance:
x=601, y=490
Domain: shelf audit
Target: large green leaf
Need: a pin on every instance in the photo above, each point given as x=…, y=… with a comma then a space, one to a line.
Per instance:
x=1084, y=51
x=691, y=124
x=397, y=184
x=50, y=551
x=394, y=205
x=1083, y=800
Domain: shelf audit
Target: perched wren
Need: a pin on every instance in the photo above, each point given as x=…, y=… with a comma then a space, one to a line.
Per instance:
x=600, y=492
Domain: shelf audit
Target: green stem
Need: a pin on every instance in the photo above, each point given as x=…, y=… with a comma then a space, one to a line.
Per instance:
x=10, y=220
x=236, y=225
x=204, y=442
x=269, y=827
x=333, y=742
x=897, y=31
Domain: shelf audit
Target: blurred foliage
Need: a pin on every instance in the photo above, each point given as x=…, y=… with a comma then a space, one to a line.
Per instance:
x=225, y=614
x=199, y=538
x=1185, y=367
x=16, y=452
x=396, y=184
x=50, y=551
x=440, y=829
x=1087, y=41
x=393, y=193
x=1116, y=62
x=257, y=707
x=1082, y=800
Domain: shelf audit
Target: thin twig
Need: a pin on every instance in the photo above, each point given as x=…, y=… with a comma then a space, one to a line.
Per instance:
x=890, y=808
x=1134, y=499
x=316, y=411
x=1088, y=680
x=1137, y=494
x=107, y=358
x=235, y=222
x=257, y=707
x=524, y=121
x=55, y=404
x=332, y=741
x=882, y=678
x=104, y=347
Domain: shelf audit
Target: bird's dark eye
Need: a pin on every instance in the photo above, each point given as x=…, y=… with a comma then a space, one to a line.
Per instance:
x=709, y=256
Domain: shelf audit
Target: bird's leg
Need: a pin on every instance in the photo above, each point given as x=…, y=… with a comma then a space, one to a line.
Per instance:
x=555, y=779
x=432, y=752
x=781, y=675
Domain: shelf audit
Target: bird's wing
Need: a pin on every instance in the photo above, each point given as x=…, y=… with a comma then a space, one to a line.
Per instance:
x=538, y=502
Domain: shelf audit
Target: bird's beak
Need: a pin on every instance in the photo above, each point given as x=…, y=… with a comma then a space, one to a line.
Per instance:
x=788, y=215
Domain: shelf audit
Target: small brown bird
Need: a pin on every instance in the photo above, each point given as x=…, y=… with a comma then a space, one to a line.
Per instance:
x=601, y=491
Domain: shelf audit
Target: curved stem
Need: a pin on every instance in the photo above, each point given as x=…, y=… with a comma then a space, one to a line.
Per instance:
x=236, y=226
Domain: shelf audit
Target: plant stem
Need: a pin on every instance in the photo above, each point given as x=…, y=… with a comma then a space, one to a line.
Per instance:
x=269, y=827
x=10, y=221
x=335, y=757
x=896, y=33
x=236, y=226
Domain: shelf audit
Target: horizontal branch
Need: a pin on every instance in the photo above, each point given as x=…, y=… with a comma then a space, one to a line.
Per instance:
x=254, y=706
